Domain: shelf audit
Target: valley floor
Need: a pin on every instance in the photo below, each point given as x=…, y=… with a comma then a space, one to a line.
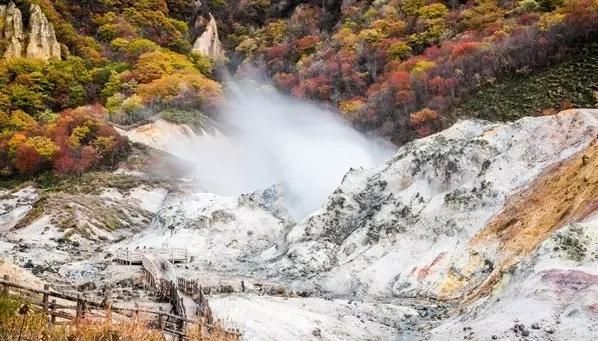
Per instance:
x=416, y=249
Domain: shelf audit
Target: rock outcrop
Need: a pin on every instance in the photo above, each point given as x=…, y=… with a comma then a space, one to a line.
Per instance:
x=40, y=38
x=208, y=43
x=450, y=214
x=12, y=30
x=552, y=294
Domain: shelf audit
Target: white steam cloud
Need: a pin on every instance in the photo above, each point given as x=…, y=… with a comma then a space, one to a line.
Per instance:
x=269, y=138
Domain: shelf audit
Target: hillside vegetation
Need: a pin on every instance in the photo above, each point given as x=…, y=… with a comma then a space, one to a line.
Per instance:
x=397, y=67
x=394, y=68
x=53, y=113
x=572, y=83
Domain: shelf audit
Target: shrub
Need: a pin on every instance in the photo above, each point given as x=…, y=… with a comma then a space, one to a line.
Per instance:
x=191, y=91
x=153, y=65
x=423, y=116
x=193, y=118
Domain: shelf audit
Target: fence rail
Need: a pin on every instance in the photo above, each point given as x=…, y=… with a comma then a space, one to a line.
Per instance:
x=83, y=308
x=135, y=256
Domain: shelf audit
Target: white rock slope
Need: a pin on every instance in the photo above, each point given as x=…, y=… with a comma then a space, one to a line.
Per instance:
x=408, y=227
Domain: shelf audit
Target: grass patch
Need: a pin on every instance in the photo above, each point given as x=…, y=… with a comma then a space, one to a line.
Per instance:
x=569, y=84
x=34, y=326
x=193, y=118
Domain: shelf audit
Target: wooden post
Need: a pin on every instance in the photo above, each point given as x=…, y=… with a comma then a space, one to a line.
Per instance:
x=46, y=298
x=83, y=306
x=5, y=290
x=53, y=312
x=182, y=330
x=160, y=322
x=108, y=309
x=78, y=314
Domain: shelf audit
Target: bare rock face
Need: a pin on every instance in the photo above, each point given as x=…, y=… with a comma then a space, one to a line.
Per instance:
x=12, y=30
x=208, y=43
x=42, y=38
x=449, y=215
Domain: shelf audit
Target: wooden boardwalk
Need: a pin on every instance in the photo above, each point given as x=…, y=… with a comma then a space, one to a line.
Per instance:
x=186, y=297
x=61, y=308
x=135, y=256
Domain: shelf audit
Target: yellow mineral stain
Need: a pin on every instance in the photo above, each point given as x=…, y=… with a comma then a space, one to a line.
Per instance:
x=565, y=193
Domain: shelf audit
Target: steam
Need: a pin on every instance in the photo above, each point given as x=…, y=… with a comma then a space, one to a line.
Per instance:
x=268, y=138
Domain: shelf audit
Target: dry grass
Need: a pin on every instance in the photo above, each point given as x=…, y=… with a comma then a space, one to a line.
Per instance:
x=33, y=326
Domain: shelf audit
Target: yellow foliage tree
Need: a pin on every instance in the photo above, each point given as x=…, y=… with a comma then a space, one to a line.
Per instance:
x=44, y=146
x=20, y=120
x=78, y=134
x=153, y=65
x=423, y=116
x=15, y=141
x=182, y=90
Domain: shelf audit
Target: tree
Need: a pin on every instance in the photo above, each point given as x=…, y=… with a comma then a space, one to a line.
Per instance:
x=399, y=50
x=28, y=161
x=307, y=44
x=14, y=143
x=65, y=164
x=45, y=147
x=182, y=91
x=154, y=65
x=20, y=120
x=423, y=116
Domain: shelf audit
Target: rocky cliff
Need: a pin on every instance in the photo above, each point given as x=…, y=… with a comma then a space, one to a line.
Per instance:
x=481, y=216
x=208, y=43
x=449, y=215
x=12, y=33
x=39, y=38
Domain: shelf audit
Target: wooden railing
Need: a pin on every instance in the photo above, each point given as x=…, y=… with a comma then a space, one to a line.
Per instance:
x=195, y=291
x=73, y=308
x=135, y=256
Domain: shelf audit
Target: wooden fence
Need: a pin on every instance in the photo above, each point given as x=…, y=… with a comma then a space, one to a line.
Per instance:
x=195, y=291
x=73, y=308
x=135, y=256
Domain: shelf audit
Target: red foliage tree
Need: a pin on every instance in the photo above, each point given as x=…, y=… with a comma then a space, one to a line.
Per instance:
x=307, y=43
x=28, y=161
x=65, y=164
x=400, y=80
x=286, y=81
x=277, y=51
x=464, y=48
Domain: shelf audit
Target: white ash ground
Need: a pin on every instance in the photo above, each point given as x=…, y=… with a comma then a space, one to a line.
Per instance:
x=361, y=257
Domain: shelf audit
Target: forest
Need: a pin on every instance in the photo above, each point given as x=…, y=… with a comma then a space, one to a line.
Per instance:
x=400, y=69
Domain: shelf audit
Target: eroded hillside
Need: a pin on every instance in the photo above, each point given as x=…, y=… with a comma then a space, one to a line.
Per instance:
x=479, y=232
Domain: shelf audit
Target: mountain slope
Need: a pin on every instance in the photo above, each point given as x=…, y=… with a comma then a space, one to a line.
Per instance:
x=449, y=215
x=481, y=230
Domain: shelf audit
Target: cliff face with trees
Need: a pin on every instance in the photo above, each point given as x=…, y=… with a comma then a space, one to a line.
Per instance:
x=70, y=67
x=398, y=68
x=395, y=68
